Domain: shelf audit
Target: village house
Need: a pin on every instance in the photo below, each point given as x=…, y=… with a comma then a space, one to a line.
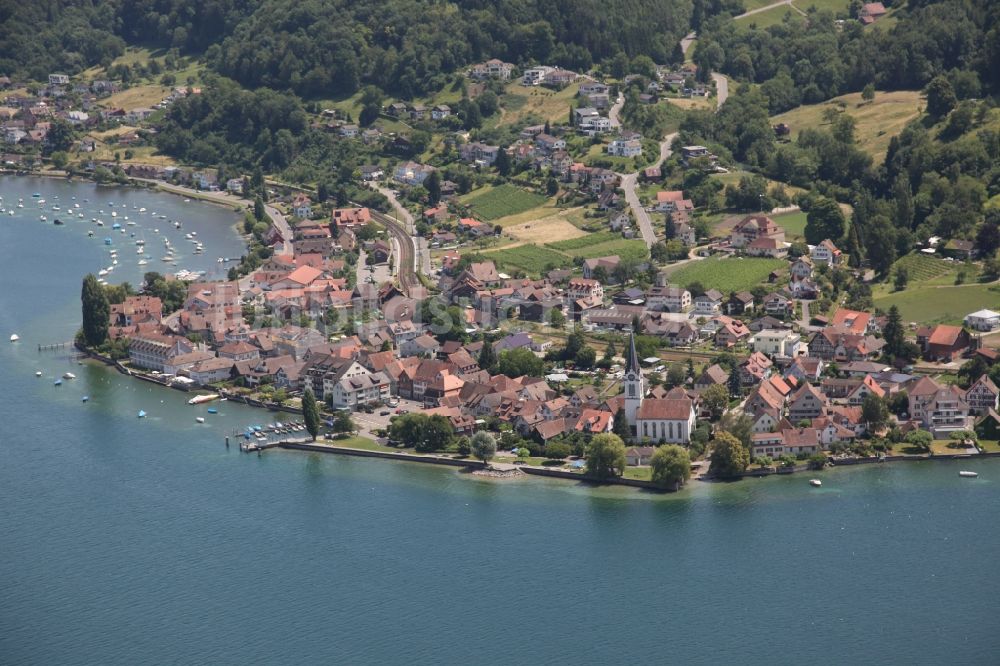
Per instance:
x=709, y=303
x=302, y=206
x=412, y=173
x=754, y=227
x=625, y=147
x=826, y=253
x=154, y=351
x=668, y=299
x=492, y=68
x=983, y=320
x=981, y=396
x=807, y=402
x=943, y=342
x=777, y=343
x=739, y=302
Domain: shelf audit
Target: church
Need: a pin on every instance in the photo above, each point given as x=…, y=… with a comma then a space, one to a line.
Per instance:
x=658, y=420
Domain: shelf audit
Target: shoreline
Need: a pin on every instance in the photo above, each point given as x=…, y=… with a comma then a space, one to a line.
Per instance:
x=526, y=471
x=239, y=204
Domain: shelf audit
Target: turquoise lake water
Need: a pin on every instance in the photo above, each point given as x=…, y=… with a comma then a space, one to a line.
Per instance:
x=129, y=541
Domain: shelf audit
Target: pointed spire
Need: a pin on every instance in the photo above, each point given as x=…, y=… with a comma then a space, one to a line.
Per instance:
x=633, y=360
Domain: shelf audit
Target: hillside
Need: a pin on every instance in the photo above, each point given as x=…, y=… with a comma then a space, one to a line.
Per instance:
x=333, y=47
x=876, y=121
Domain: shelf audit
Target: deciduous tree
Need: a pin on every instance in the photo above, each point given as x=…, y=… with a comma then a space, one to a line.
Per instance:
x=605, y=456
x=671, y=466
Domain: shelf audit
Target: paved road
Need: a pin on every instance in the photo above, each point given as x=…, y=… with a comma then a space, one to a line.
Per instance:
x=629, y=184
x=280, y=223
x=615, y=111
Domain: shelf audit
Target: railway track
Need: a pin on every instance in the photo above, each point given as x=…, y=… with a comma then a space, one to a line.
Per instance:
x=408, y=281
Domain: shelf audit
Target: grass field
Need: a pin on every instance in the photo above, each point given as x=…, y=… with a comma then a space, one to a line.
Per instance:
x=877, y=121
x=137, y=98
x=835, y=6
x=947, y=305
x=794, y=224
x=631, y=249
x=552, y=228
x=585, y=241
x=504, y=201
x=688, y=103
x=521, y=103
x=771, y=17
x=532, y=259
x=727, y=274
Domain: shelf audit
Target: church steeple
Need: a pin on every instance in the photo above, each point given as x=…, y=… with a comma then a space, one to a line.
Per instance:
x=633, y=360
x=633, y=383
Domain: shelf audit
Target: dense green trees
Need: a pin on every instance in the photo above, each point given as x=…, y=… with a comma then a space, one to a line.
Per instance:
x=729, y=456
x=96, y=312
x=671, y=466
x=483, y=446
x=520, y=361
x=808, y=60
x=425, y=432
x=310, y=413
x=605, y=456
x=824, y=221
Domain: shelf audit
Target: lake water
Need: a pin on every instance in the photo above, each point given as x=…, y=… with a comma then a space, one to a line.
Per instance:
x=126, y=540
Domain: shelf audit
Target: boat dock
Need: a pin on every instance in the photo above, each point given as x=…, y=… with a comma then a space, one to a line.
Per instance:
x=53, y=346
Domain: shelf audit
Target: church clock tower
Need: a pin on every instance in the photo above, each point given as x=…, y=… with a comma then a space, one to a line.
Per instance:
x=633, y=382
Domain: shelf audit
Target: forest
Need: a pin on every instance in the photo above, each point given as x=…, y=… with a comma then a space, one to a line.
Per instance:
x=326, y=48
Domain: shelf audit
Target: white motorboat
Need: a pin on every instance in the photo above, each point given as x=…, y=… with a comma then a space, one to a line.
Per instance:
x=815, y=483
x=69, y=375
x=199, y=419
x=15, y=337
x=38, y=373
x=968, y=475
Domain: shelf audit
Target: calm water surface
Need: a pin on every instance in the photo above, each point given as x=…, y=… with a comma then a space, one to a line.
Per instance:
x=127, y=541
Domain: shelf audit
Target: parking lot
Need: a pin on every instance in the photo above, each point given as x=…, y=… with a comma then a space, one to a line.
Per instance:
x=379, y=418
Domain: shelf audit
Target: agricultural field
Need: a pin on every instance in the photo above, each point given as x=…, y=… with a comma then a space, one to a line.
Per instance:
x=877, y=121
x=944, y=304
x=630, y=249
x=585, y=241
x=138, y=97
x=836, y=6
x=727, y=274
x=504, y=201
x=532, y=259
x=553, y=228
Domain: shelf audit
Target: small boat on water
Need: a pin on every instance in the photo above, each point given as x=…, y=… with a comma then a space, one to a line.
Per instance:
x=15, y=337
x=57, y=382
x=142, y=262
x=57, y=221
x=815, y=483
x=141, y=414
x=199, y=419
x=85, y=398
x=38, y=373
x=968, y=475
x=198, y=399
x=212, y=410
x=69, y=375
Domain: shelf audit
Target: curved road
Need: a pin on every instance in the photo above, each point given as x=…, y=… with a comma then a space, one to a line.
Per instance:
x=630, y=181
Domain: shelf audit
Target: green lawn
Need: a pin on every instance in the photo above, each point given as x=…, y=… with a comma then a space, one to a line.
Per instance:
x=727, y=274
x=531, y=259
x=771, y=17
x=794, y=225
x=940, y=304
x=835, y=6
x=623, y=247
x=358, y=442
x=503, y=201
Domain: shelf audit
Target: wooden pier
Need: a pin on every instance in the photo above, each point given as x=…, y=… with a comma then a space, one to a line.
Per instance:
x=55, y=345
